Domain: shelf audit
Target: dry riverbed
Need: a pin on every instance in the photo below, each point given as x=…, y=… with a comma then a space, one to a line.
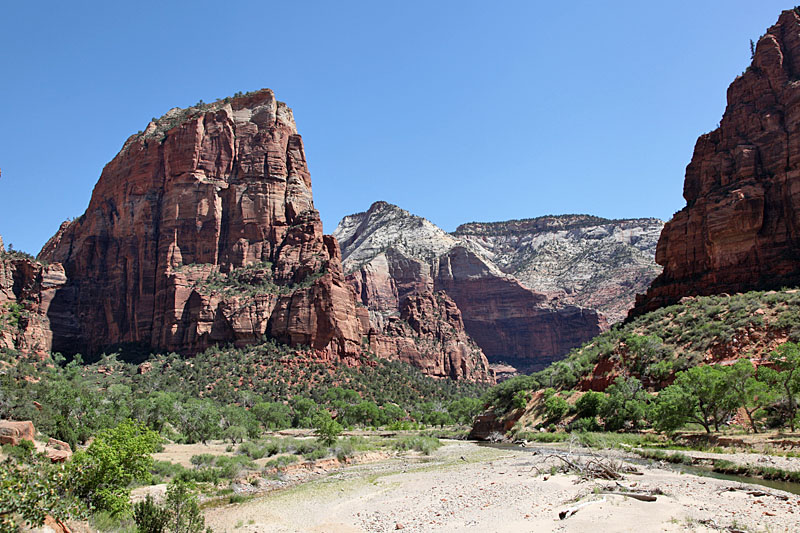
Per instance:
x=467, y=487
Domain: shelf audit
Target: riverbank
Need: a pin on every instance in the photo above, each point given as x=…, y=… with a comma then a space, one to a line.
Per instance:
x=467, y=487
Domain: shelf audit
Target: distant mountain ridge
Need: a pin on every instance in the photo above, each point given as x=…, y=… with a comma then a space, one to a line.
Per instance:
x=583, y=260
x=528, y=289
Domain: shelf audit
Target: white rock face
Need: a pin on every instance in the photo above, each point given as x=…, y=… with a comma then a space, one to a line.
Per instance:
x=365, y=235
x=390, y=255
x=581, y=260
x=588, y=261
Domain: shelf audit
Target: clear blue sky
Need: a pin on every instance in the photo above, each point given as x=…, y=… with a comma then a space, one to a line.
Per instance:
x=454, y=110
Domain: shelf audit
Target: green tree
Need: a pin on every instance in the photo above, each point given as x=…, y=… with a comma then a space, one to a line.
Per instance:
x=700, y=394
x=588, y=405
x=304, y=411
x=273, y=415
x=102, y=474
x=149, y=516
x=555, y=407
x=464, y=410
x=199, y=420
x=180, y=512
x=327, y=429
x=32, y=491
x=624, y=405
x=753, y=394
x=184, y=511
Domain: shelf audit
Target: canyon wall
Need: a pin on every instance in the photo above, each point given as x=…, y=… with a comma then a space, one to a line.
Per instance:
x=391, y=255
x=203, y=230
x=740, y=229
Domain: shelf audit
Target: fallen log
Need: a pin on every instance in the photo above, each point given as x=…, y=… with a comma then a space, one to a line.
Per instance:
x=566, y=513
x=634, y=495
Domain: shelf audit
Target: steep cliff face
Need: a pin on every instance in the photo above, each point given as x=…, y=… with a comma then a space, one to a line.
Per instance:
x=582, y=260
x=740, y=229
x=429, y=334
x=202, y=230
x=391, y=255
x=27, y=289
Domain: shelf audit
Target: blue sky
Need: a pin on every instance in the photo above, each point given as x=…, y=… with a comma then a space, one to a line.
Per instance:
x=455, y=110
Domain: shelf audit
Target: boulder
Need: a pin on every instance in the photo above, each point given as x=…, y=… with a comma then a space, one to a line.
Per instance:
x=57, y=451
x=12, y=432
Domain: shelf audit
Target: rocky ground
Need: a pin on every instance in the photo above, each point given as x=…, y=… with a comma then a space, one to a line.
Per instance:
x=467, y=487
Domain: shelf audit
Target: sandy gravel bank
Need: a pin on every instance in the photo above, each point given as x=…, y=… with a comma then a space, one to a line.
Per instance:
x=464, y=487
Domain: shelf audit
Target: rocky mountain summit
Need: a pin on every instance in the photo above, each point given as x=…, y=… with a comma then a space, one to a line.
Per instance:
x=580, y=259
x=203, y=230
x=740, y=229
x=390, y=254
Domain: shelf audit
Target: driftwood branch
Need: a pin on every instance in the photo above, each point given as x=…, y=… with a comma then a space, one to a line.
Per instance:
x=566, y=513
x=634, y=495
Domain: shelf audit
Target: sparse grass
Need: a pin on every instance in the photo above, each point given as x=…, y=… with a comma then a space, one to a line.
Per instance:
x=419, y=443
x=765, y=472
x=676, y=457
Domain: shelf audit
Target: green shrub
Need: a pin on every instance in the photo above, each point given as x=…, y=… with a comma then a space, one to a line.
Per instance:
x=149, y=516
x=419, y=443
x=280, y=462
x=102, y=474
x=327, y=429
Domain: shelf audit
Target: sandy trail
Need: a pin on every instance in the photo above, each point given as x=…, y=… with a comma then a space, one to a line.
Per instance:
x=464, y=487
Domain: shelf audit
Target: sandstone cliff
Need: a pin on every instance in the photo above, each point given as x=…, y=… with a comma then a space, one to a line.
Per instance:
x=391, y=255
x=429, y=334
x=203, y=230
x=582, y=260
x=27, y=289
x=740, y=229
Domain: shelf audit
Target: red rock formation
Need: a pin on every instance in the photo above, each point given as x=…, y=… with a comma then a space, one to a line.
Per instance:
x=429, y=334
x=203, y=230
x=57, y=451
x=27, y=290
x=12, y=432
x=512, y=323
x=740, y=229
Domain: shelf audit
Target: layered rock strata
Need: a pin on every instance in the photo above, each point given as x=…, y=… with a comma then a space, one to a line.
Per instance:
x=391, y=255
x=582, y=260
x=27, y=291
x=740, y=229
x=203, y=230
x=429, y=334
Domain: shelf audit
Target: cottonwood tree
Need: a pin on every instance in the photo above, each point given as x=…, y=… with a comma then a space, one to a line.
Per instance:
x=785, y=377
x=700, y=394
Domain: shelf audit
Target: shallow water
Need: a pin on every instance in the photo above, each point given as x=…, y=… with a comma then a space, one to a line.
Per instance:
x=696, y=470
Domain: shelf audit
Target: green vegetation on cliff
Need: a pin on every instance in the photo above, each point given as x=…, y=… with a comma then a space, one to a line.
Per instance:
x=696, y=355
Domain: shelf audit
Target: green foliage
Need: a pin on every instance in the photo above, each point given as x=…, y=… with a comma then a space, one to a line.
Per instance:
x=326, y=428
x=589, y=404
x=501, y=396
x=102, y=474
x=29, y=492
x=149, y=516
x=199, y=420
x=700, y=394
x=624, y=404
x=784, y=379
x=464, y=410
x=520, y=399
x=180, y=512
x=555, y=408
x=419, y=443
x=273, y=415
